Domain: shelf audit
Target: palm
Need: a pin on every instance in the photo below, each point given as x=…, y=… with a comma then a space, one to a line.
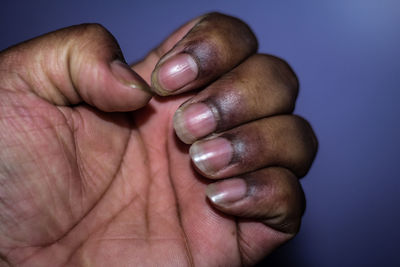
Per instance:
x=110, y=189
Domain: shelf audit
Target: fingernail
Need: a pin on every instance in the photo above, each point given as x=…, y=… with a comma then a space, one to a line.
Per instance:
x=194, y=121
x=213, y=155
x=123, y=73
x=176, y=72
x=227, y=192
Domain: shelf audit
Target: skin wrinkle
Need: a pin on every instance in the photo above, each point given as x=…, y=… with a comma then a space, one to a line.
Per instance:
x=147, y=236
x=46, y=174
x=270, y=183
x=133, y=238
x=150, y=173
x=36, y=159
x=70, y=179
x=238, y=238
x=102, y=226
x=147, y=200
x=27, y=257
x=58, y=97
x=61, y=145
x=80, y=161
x=118, y=170
x=3, y=260
x=82, y=193
x=139, y=196
x=67, y=159
x=244, y=247
x=74, y=129
x=7, y=219
x=52, y=217
x=188, y=253
x=68, y=66
x=37, y=79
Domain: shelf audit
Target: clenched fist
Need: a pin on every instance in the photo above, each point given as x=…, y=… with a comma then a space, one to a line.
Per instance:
x=97, y=168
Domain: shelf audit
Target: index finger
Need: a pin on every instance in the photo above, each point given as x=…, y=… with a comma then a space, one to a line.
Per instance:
x=215, y=45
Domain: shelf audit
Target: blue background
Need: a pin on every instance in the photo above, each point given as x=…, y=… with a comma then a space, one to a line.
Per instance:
x=346, y=54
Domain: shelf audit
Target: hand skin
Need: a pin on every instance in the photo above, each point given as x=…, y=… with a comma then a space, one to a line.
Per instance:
x=92, y=172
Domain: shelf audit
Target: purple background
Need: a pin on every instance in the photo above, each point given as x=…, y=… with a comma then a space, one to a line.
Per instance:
x=346, y=54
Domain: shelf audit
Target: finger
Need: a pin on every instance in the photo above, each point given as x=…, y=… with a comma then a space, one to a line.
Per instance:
x=146, y=66
x=79, y=63
x=259, y=87
x=286, y=140
x=272, y=196
x=214, y=45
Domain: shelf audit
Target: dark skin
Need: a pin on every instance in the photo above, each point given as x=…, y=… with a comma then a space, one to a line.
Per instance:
x=92, y=172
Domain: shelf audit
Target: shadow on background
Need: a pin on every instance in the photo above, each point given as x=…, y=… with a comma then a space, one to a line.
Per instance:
x=285, y=256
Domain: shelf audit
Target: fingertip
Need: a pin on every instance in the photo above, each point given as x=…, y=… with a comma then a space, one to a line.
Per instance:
x=174, y=73
x=212, y=156
x=134, y=91
x=125, y=75
x=272, y=196
x=227, y=192
x=214, y=45
x=180, y=130
x=193, y=121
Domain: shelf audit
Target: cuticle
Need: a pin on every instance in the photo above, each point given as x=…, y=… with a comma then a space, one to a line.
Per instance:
x=215, y=111
x=237, y=148
x=196, y=60
x=250, y=191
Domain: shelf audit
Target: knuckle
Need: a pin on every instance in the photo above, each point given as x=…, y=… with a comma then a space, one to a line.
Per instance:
x=288, y=196
x=278, y=198
x=307, y=144
x=92, y=32
x=95, y=38
x=305, y=127
x=282, y=192
x=299, y=123
x=298, y=120
x=220, y=17
x=229, y=29
x=280, y=71
x=93, y=29
x=283, y=70
x=277, y=75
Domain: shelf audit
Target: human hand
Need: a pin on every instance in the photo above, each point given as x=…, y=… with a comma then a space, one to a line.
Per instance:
x=92, y=173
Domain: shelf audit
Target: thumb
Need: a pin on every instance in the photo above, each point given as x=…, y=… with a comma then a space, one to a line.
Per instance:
x=81, y=63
